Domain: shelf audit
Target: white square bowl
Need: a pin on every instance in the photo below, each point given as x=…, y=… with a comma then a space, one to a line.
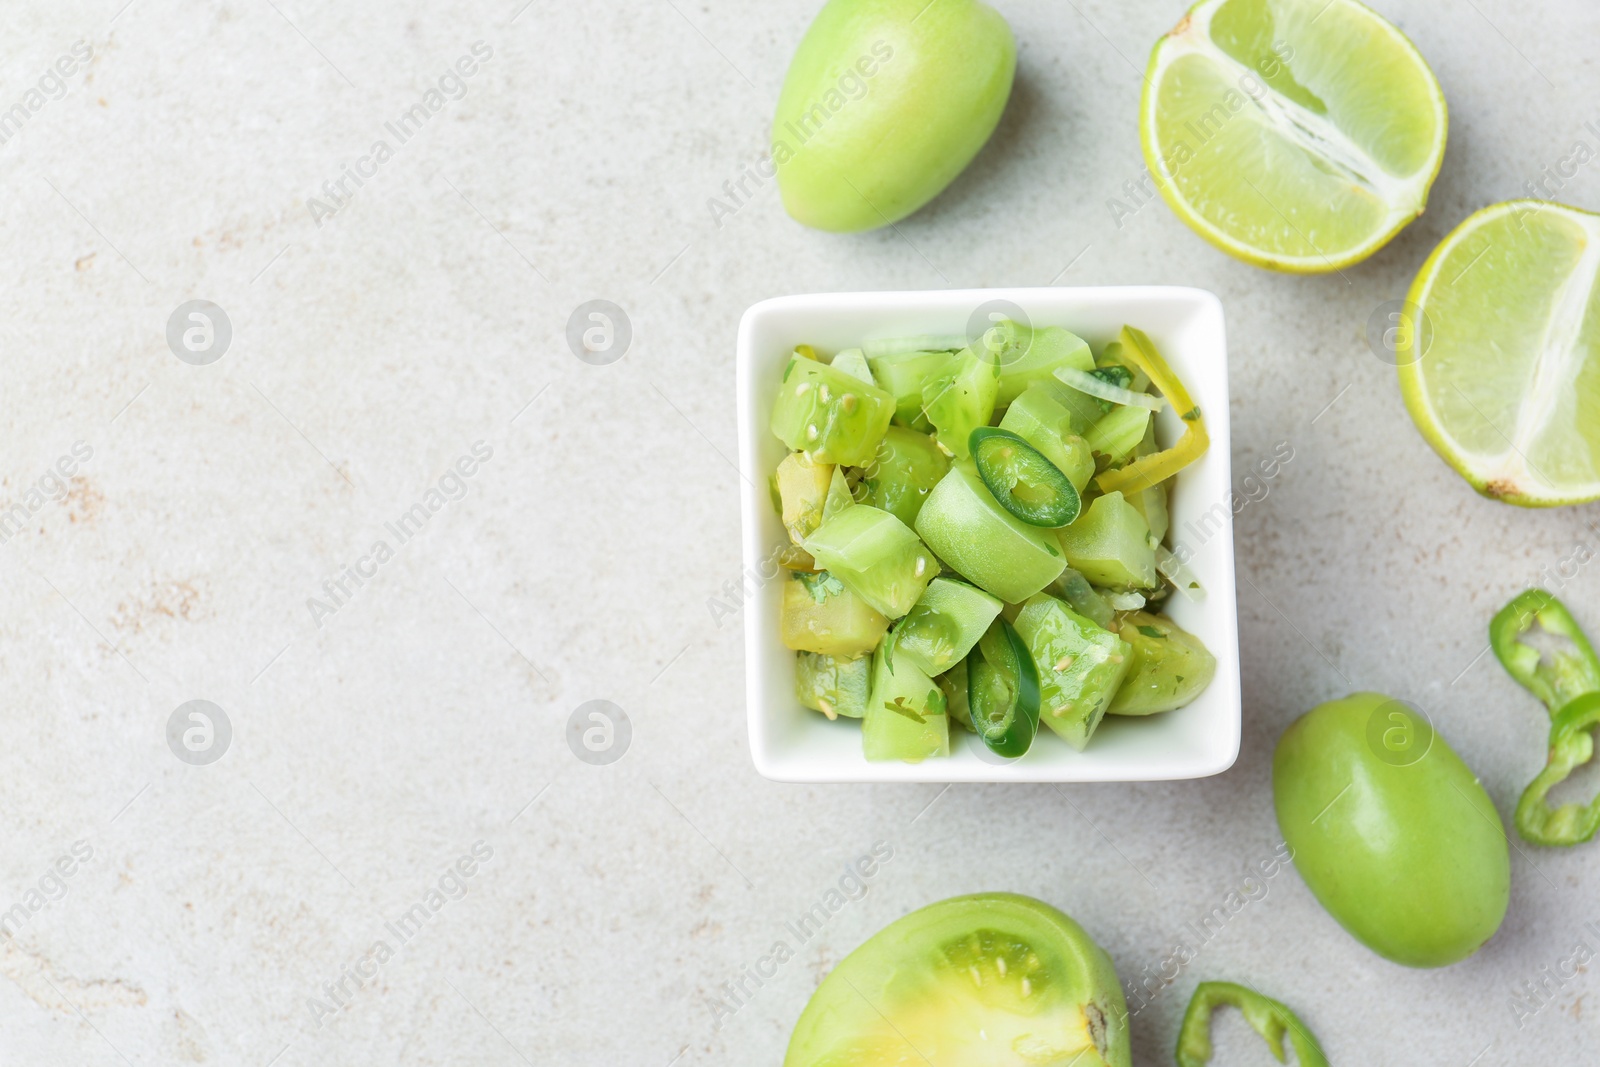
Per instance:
x=792, y=744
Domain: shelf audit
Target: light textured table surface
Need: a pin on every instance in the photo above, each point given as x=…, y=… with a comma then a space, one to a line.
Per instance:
x=373, y=745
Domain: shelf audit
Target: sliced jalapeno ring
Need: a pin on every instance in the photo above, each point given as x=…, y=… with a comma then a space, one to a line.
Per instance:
x=1269, y=1018
x=1003, y=691
x=1557, y=676
x=1023, y=481
x=1571, y=746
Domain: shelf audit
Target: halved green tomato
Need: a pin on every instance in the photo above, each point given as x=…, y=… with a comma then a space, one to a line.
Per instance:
x=1022, y=480
x=988, y=980
x=1003, y=691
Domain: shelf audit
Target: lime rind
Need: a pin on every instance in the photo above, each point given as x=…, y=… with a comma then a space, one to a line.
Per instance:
x=1383, y=202
x=1538, y=442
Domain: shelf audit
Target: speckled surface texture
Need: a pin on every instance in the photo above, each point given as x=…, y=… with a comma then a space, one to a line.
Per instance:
x=375, y=745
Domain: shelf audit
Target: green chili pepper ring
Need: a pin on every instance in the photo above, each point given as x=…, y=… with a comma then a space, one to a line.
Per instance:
x=1003, y=691
x=1266, y=1016
x=1571, y=746
x=1567, y=679
x=1023, y=481
x=1557, y=678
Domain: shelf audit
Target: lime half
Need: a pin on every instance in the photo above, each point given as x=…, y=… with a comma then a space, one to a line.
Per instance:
x=1299, y=135
x=1506, y=385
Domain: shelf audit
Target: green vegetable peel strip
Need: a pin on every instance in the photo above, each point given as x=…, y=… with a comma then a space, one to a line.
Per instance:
x=1146, y=471
x=1571, y=746
x=1266, y=1016
x=1556, y=677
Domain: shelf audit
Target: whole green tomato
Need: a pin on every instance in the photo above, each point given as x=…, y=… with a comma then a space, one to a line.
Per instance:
x=885, y=102
x=1391, y=831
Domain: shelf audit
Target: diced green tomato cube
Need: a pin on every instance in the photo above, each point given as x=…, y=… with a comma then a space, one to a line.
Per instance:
x=959, y=402
x=1086, y=410
x=828, y=414
x=1080, y=667
x=833, y=685
x=854, y=363
x=876, y=556
x=1042, y=421
x=983, y=542
x=1170, y=666
x=803, y=490
x=1035, y=357
x=953, y=683
x=1080, y=596
x=1152, y=502
x=1004, y=337
x=902, y=474
x=943, y=626
x=838, y=497
x=1119, y=433
x=1049, y=404
x=820, y=615
x=796, y=558
x=903, y=375
x=1110, y=545
x=906, y=715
